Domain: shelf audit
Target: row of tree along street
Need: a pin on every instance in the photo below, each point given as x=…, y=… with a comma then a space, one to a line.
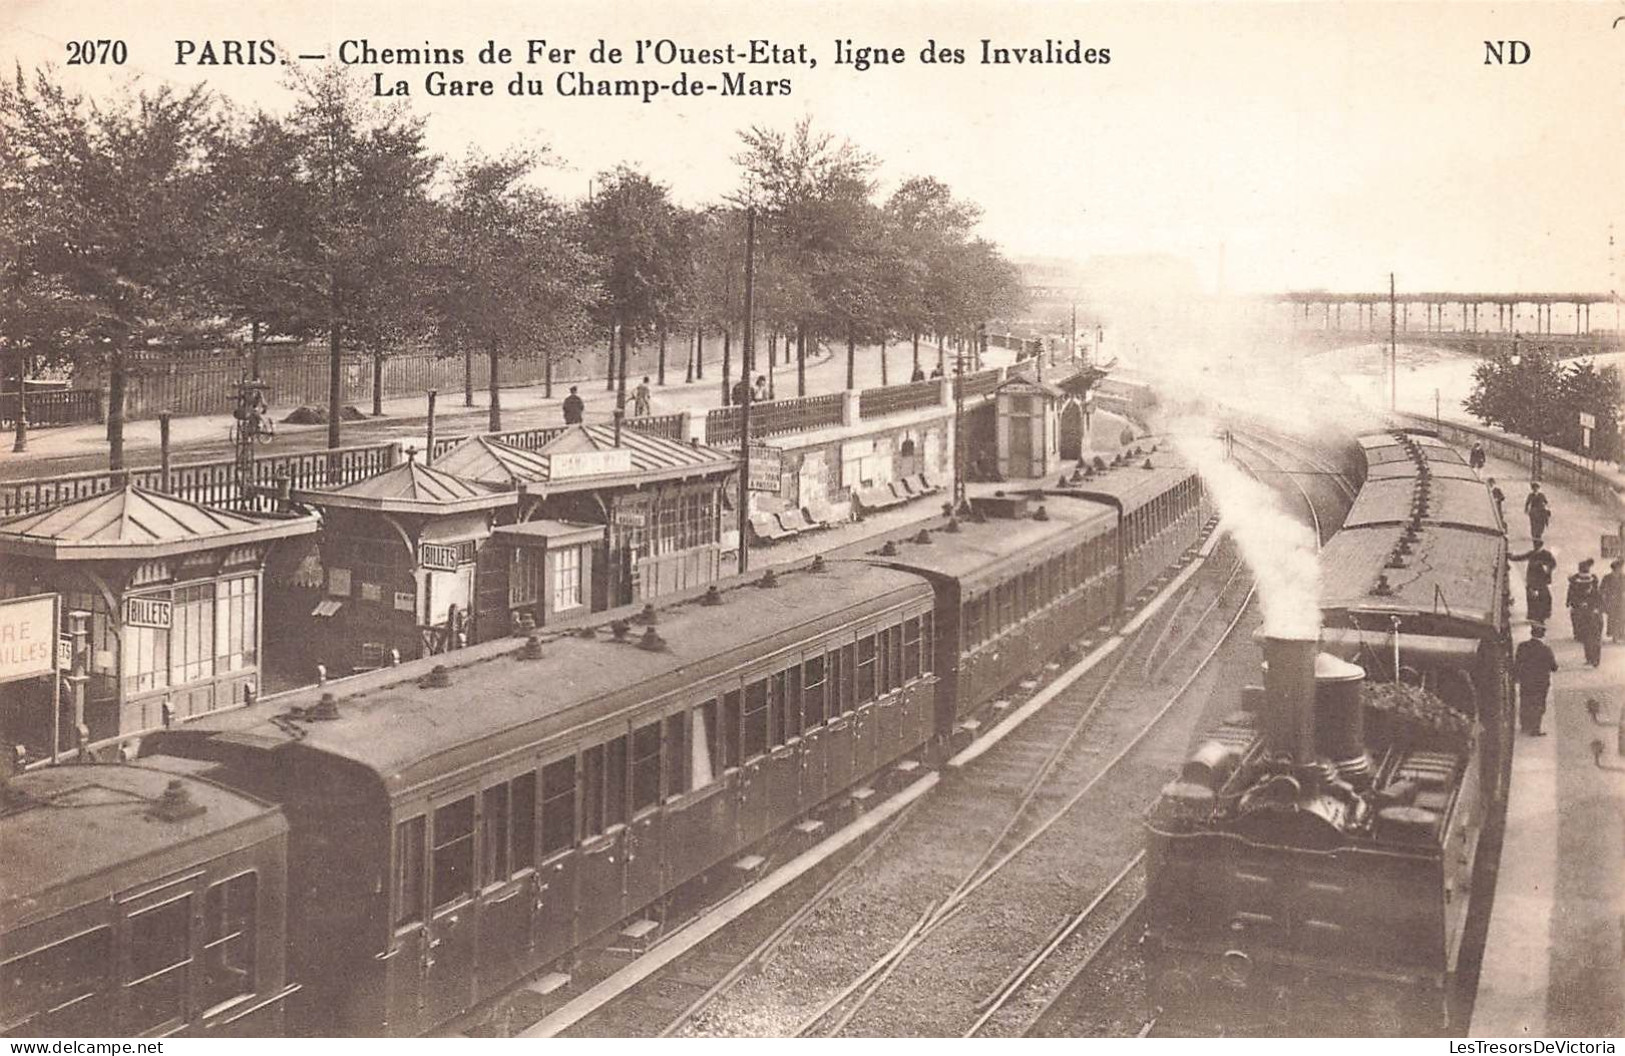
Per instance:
x=167, y=218
x=1533, y=393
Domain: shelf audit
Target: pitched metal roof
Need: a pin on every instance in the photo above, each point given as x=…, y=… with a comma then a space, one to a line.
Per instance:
x=410, y=488
x=493, y=463
x=653, y=458
x=133, y=523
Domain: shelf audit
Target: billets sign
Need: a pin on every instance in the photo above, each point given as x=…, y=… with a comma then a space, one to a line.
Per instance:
x=765, y=468
x=147, y=612
x=437, y=557
x=27, y=637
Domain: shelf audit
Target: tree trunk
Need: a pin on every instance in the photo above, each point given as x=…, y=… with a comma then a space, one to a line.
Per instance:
x=699, y=351
x=254, y=350
x=851, y=360
x=468, y=376
x=496, y=390
x=660, y=364
x=727, y=366
x=609, y=368
x=620, y=390
x=801, y=361
x=688, y=371
x=547, y=375
x=335, y=377
x=116, y=377
x=377, y=383
x=884, y=374
x=916, y=350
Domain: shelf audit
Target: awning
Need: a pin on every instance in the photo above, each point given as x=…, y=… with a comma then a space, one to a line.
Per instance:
x=327, y=607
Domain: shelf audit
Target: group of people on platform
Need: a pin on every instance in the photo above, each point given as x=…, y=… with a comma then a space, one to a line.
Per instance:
x=1596, y=609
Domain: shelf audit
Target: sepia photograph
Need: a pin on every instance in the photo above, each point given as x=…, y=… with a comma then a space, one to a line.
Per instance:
x=906, y=519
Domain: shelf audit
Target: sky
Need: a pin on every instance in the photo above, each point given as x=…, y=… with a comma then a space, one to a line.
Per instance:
x=1316, y=145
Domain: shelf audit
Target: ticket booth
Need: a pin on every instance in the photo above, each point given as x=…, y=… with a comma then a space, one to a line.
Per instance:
x=1027, y=423
x=544, y=571
x=400, y=554
x=167, y=597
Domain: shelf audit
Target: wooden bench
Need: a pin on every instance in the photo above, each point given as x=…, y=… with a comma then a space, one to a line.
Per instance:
x=765, y=528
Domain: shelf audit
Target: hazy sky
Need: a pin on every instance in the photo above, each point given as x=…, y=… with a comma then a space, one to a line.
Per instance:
x=1321, y=144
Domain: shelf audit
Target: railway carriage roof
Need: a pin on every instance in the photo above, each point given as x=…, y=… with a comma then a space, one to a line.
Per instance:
x=1407, y=470
x=1133, y=485
x=1451, y=572
x=391, y=727
x=66, y=823
x=1465, y=503
x=981, y=546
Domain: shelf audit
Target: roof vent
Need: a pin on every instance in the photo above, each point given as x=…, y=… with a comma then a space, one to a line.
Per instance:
x=326, y=709
x=1382, y=588
x=952, y=527
x=1064, y=482
x=1146, y=464
x=647, y=616
x=889, y=549
x=652, y=641
x=1395, y=560
x=175, y=804
x=533, y=647
x=1079, y=473
x=818, y=564
x=713, y=596
x=769, y=580
x=586, y=632
x=437, y=678
x=924, y=538
x=1041, y=515
x=620, y=629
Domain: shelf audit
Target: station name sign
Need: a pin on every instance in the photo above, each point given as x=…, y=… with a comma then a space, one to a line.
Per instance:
x=565, y=465
x=27, y=637
x=146, y=612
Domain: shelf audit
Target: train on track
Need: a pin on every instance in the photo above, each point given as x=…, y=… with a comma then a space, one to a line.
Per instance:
x=381, y=855
x=1317, y=864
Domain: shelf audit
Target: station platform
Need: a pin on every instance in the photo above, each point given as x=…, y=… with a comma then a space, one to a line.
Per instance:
x=1554, y=960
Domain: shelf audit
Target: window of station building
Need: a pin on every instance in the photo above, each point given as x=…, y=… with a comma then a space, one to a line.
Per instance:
x=731, y=722
x=756, y=718
x=525, y=571
x=452, y=865
x=160, y=951
x=812, y=693
x=410, y=852
x=866, y=669
x=59, y=989
x=566, y=578
x=228, y=939
x=645, y=767
x=558, y=805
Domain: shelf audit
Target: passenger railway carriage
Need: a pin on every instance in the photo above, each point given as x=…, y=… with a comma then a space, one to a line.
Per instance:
x=451, y=829
x=1316, y=868
x=139, y=901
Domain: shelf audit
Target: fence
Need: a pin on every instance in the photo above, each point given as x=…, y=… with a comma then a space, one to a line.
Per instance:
x=669, y=426
x=982, y=382
x=774, y=418
x=209, y=483
x=53, y=407
x=898, y=399
x=1560, y=467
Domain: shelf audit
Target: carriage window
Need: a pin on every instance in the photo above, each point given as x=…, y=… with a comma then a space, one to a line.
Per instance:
x=494, y=835
x=787, y=702
x=755, y=719
x=615, y=783
x=730, y=729
x=524, y=821
x=409, y=855
x=882, y=661
x=866, y=669
x=160, y=950
x=704, y=748
x=645, y=766
x=973, y=622
x=776, y=733
x=911, y=649
x=57, y=990
x=895, y=674
x=453, y=851
x=926, y=643
x=228, y=940
x=592, y=791
x=1007, y=605
x=678, y=765
x=842, y=663
x=812, y=697
x=558, y=805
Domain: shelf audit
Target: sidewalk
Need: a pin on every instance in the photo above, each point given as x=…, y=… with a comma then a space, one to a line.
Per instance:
x=83, y=448
x=1553, y=961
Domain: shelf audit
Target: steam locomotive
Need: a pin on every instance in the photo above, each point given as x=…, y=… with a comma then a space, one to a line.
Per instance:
x=1316, y=865
x=417, y=839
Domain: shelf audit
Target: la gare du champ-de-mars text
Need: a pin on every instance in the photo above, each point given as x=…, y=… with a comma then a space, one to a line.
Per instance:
x=571, y=82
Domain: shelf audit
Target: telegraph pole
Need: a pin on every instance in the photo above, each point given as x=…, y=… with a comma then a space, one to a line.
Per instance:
x=1393, y=347
x=747, y=356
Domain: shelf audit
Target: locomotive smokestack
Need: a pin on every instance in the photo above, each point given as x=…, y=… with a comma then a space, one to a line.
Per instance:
x=1340, y=718
x=1289, y=695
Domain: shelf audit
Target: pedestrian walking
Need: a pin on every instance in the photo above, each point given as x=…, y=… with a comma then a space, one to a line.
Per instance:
x=1584, y=601
x=760, y=392
x=936, y=372
x=642, y=400
x=919, y=373
x=741, y=390
x=1612, y=590
x=1475, y=458
x=1540, y=513
x=1537, y=582
x=574, y=407
x=1532, y=667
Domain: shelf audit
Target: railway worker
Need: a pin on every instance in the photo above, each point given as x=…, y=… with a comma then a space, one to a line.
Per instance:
x=1612, y=590
x=1584, y=601
x=1540, y=513
x=642, y=400
x=1475, y=458
x=1532, y=666
x=574, y=407
x=1537, y=585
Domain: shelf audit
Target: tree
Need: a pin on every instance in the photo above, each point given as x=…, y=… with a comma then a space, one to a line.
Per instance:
x=927, y=225
x=1586, y=390
x=633, y=227
x=510, y=278
x=363, y=172
x=1523, y=397
x=116, y=192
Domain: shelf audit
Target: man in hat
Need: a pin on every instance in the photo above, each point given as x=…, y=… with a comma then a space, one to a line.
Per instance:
x=574, y=407
x=1532, y=667
x=1475, y=458
x=1537, y=585
x=1613, y=600
x=1584, y=601
x=1540, y=514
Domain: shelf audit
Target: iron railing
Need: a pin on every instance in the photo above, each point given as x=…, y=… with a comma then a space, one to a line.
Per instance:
x=899, y=399
x=54, y=407
x=774, y=418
